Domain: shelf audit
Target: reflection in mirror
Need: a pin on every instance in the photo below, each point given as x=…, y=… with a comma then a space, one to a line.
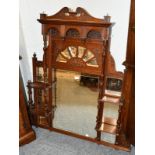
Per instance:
x=109, y=122
x=39, y=74
x=76, y=103
x=54, y=89
x=111, y=109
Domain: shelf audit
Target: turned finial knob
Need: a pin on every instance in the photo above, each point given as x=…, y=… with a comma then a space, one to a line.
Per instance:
x=29, y=81
x=20, y=57
x=34, y=55
x=43, y=15
x=71, y=10
x=107, y=18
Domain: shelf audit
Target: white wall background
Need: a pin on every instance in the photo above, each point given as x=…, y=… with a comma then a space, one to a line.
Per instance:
x=30, y=29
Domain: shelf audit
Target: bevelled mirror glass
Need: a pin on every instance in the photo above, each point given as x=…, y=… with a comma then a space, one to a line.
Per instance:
x=76, y=103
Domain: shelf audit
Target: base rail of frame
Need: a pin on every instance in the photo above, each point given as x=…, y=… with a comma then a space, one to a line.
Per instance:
x=118, y=147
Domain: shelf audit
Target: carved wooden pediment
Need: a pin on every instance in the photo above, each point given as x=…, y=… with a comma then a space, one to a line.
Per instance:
x=80, y=16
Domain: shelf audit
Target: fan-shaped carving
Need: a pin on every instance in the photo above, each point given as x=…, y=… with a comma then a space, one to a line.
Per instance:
x=72, y=33
x=54, y=32
x=93, y=34
x=77, y=56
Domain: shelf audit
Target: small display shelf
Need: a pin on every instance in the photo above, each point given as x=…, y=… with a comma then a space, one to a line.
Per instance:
x=112, y=93
x=108, y=125
x=110, y=100
x=39, y=84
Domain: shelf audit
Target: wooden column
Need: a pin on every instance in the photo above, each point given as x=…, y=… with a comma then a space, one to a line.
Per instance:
x=127, y=116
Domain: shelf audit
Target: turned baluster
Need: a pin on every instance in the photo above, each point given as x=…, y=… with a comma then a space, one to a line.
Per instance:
x=102, y=87
x=30, y=101
x=55, y=80
x=31, y=104
x=44, y=58
x=118, y=129
x=34, y=61
x=100, y=108
x=46, y=109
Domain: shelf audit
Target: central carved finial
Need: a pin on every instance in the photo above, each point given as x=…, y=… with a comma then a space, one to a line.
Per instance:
x=71, y=10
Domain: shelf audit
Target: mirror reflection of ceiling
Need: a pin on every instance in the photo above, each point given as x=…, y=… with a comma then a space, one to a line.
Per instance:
x=79, y=53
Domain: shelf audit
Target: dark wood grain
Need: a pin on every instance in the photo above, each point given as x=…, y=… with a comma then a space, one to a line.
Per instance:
x=77, y=29
x=26, y=133
x=127, y=115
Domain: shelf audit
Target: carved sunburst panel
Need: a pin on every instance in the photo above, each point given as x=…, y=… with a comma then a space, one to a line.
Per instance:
x=77, y=56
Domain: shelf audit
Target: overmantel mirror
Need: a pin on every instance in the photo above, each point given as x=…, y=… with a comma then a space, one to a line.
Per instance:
x=70, y=85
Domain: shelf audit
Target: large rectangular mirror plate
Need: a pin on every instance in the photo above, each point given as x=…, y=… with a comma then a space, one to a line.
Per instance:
x=76, y=102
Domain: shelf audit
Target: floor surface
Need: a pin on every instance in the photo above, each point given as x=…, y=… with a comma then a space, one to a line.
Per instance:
x=52, y=143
